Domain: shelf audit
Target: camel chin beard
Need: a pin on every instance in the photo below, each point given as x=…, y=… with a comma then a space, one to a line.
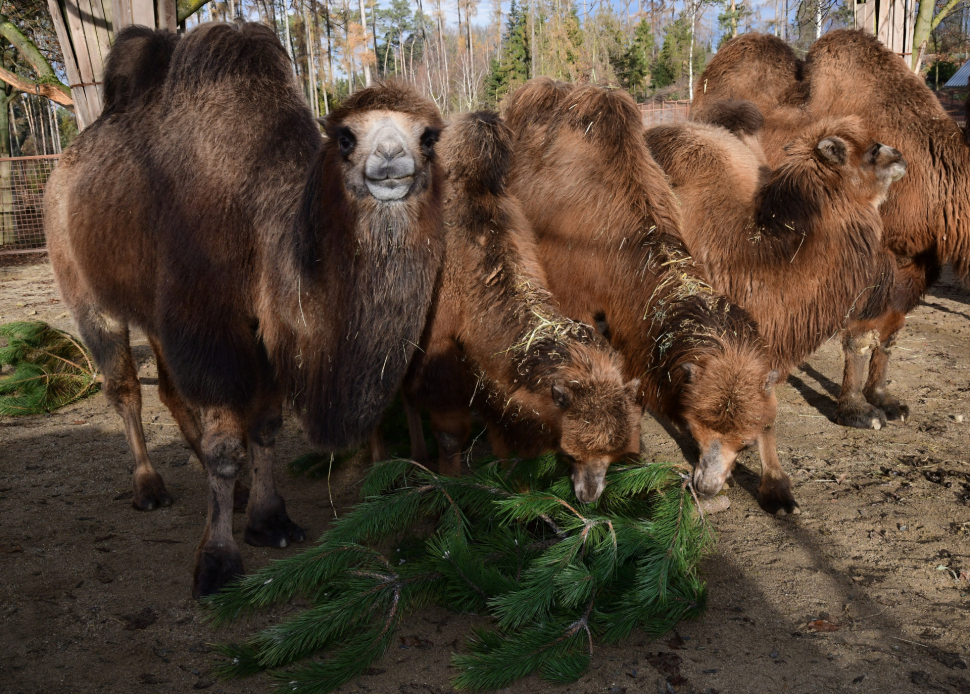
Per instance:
x=389, y=189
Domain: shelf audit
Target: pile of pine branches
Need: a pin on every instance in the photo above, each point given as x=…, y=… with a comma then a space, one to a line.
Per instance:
x=46, y=369
x=509, y=540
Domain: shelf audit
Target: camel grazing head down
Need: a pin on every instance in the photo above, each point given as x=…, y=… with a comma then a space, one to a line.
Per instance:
x=731, y=402
x=386, y=154
x=600, y=424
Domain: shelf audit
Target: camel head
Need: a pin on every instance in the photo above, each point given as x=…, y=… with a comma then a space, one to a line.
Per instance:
x=729, y=400
x=839, y=155
x=600, y=422
x=384, y=138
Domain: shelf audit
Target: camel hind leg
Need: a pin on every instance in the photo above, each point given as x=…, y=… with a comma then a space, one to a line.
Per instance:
x=188, y=419
x=108, y=341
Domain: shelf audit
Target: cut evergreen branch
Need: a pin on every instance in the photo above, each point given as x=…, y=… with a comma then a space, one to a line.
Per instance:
x=509, y=540
x=49, y=369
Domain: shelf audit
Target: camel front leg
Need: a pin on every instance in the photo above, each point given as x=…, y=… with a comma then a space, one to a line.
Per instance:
x=875, y=390
x=775, y=489
x=268, y=523
x=451, y=428
x=852, y=409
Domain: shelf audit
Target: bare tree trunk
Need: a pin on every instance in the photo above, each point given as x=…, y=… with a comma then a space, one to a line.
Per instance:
x=373, y=23
x=364, y=62
x=818, y=20
x=57, y=128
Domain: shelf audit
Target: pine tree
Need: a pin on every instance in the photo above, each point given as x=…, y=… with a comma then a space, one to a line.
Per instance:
x=634, y=66
x=555, y=574
x=671, y=64
x=511, y=69
x=50, y=369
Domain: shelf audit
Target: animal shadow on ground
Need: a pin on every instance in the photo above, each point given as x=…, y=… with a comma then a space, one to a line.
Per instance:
x=822, y=400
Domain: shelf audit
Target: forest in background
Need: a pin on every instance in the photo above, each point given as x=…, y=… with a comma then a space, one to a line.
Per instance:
x=467, y=54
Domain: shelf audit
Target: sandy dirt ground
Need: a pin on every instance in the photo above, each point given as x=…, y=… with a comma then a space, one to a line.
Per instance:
x=865, y=591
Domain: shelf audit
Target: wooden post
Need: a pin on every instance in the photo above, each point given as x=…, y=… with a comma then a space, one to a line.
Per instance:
x=85, y=31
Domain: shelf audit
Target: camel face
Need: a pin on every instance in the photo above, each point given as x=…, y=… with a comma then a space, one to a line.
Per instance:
x=592, y=438
x=387, y=155
x=731, y=408
x=888, y=165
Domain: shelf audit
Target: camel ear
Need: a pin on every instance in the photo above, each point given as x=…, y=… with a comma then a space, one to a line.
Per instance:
x=771, y=379
x=561, y=395
x=322, y=121
x=691, y=370
x=833, y=150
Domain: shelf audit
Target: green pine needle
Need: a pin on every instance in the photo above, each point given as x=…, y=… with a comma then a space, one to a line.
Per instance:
x=50, y=369
x=509, y=540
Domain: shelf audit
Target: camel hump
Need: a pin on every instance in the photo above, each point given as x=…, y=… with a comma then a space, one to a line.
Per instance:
x=739, y=116
x=534, y=102
x=136, y=68
x=240, y=52
x=477, y=151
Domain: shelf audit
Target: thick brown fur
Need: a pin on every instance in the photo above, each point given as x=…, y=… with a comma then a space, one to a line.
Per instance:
x=543, y=382
x=608, y=227
x=926, y=216
x=206, y=209
x=136, y=68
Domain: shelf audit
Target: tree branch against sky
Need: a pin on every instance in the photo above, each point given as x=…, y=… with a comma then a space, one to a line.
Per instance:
x=46, y=83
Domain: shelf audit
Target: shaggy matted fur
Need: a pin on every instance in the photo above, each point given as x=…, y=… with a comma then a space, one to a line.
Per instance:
x=796, y=246
x=206, y=209
x=543, y=382
x=608, y=227
x=926, y=217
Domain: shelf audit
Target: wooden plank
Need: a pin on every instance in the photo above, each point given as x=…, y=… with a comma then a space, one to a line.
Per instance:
x=102, y=31
x=143, y=13
x=120, y=15
x=64, y=39
x=167, y=15
x=76, y=27
x=91, y=39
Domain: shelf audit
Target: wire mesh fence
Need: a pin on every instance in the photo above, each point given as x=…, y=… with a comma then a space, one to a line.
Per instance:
x=22, y=181
x=655, y=113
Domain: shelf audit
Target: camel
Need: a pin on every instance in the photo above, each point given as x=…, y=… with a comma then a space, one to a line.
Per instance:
x=265, y=264
x=608, y=228
x=494, y=336
x=926, y=216
x=795, y=246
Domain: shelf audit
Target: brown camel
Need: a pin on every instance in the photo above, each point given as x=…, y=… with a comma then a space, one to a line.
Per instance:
x=795, y=246
x=542, y=381
x=926, y=216
x=263, y=263
x=608, y=227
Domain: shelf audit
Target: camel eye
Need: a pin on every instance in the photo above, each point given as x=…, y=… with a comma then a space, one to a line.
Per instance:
x=428, y=140
x=346, y=141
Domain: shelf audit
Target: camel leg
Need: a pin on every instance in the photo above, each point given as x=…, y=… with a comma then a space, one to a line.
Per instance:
x=269, y=525
x=188, y=419
x=419, y=449
x=451, y=429
x=108, y=341
x=775, y=489
x=378, y=451
x=852, y=409
x=217, y=560
x=875, y=389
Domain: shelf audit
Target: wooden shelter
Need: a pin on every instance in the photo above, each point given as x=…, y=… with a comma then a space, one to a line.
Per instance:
x=892, y=21
x=85, y=31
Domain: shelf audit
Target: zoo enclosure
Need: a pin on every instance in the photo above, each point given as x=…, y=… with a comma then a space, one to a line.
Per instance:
x=22, y=181
x=654, y=113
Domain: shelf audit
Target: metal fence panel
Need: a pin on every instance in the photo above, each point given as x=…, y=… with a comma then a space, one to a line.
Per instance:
x=22, y=181
x=665, y=112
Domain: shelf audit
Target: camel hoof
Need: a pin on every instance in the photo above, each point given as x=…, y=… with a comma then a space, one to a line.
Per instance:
x=240, y=497
x=860, y=416
x=276, y=530
x=894, y=410
x=214, y=569
x=779, y=502
x=150, y=493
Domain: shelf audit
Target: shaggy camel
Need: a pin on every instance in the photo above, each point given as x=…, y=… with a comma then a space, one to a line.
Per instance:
x=926, y=217
x=608, y=227
x=263, y=263
x=542, y=381
x=795, y=246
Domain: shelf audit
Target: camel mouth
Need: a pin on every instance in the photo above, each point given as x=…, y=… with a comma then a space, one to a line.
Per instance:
x=389, y=189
